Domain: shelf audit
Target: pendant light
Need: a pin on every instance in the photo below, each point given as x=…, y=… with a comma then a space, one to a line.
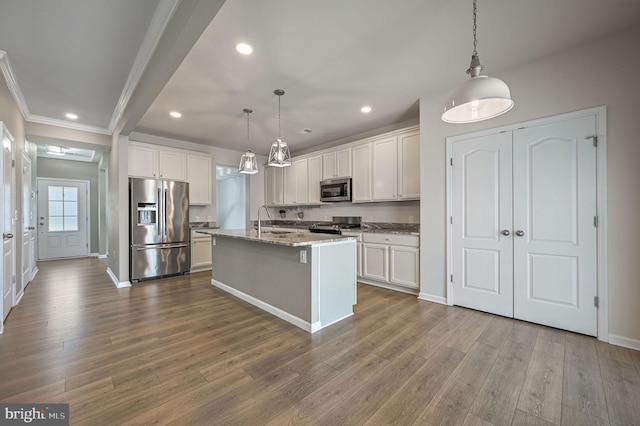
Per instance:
x=279, y=155
x=479, y=98
x=248, y=163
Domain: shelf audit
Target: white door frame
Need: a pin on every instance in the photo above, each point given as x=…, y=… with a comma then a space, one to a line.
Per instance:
x=88, y=209
x=600, y=114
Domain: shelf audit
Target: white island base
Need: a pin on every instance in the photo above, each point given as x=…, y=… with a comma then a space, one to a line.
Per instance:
x=307, y=280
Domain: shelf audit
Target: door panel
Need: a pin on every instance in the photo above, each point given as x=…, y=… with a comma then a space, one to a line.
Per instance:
x=481, y=207
x=544, y=271
x=554, y=206
x=62, y=218
x=8, y=224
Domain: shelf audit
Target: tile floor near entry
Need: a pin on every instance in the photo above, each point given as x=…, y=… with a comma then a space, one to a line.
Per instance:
x=179, y=351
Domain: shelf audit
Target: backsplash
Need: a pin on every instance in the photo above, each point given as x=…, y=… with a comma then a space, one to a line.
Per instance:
x=391, y=212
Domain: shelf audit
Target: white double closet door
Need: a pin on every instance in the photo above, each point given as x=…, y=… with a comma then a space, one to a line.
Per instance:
x=523, y=237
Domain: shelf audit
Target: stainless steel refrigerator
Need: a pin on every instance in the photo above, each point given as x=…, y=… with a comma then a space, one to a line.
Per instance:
x=158, y=228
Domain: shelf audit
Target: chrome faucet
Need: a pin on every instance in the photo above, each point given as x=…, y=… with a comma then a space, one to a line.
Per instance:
x=259, y=221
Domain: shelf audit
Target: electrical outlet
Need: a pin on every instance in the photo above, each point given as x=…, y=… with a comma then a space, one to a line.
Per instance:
x=213, y=241
x=303, y=256
x=411, y=219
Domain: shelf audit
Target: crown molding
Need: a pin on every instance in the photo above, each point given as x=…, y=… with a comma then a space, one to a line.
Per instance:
x=161, y=18
x=12, y=84
x=67, y=124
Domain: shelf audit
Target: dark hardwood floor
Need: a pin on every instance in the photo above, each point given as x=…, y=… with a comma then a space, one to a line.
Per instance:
x=180, y=351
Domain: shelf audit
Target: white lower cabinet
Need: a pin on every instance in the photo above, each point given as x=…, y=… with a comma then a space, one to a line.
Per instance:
x=200, y=251
x=391, y=259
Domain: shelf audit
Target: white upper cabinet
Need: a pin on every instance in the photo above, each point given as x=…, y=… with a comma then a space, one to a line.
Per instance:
x=172, y=164
x=409, y=166
x=274, y=186
x=152, y=161
x=296, y=186
x=199, y=176
x=361, y=182
x=314, y=169
x=336, y=164
x=156, y=162
x=143, y=161
x=385, y=169
x=382, y=168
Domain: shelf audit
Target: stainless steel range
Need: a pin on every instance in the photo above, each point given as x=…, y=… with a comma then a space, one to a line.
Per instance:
x=336, y=225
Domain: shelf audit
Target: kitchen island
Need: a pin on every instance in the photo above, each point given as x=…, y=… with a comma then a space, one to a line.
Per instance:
x=306, y=279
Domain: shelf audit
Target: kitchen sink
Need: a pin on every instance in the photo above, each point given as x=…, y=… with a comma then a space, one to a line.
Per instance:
x=277, y=232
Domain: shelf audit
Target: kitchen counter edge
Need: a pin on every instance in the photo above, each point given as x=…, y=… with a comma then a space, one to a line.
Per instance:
x=293, y=239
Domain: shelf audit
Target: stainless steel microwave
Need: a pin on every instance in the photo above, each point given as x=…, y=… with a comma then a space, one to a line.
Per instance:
x=332, y=190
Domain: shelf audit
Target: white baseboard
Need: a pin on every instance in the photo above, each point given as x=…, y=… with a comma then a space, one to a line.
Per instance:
x=624, y=342
x=305, y=325
x=123, y=284
x=102, y=256
x=432, y=298
x=388, y=286
x=1, y=327
x=33, y=274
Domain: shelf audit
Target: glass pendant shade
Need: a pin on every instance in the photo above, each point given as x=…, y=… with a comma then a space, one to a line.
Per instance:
x=248, y=163
x=279, y=155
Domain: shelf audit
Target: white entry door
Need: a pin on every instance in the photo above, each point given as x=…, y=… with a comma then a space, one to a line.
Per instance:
x=62, y=218
x=523, y=237
x=7, y=218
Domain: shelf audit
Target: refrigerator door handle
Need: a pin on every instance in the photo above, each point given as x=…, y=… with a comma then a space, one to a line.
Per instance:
x=165, y=212
x=158, y=216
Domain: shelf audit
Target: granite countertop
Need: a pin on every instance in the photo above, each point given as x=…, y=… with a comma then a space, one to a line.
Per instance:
x=202, y=225
x=372, y=227
x=270, y=236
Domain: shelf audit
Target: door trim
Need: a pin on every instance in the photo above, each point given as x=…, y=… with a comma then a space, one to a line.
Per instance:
x=602, y=285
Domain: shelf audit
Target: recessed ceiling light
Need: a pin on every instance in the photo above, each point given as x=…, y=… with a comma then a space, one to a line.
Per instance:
x=175, y=114
x=71, y=116
x=244, y=48
x=365, y=109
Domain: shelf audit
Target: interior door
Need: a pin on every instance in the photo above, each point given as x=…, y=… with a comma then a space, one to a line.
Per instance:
x=62, y=218
x=27, y=223
x=523, y=239
x=8, y=224
x=555, y=236
x=482, y=249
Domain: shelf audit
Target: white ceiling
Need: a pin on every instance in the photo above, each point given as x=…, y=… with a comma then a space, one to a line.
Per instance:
x=331, y=57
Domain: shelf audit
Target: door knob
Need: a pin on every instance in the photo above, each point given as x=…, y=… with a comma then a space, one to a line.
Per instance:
x=7, y=235
x=505, y=232
x=31, y=228
x=519, y=233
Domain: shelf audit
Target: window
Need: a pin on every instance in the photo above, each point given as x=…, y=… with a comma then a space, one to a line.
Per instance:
x=63, y=208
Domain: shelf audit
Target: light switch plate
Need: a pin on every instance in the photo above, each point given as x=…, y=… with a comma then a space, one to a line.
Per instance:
x=303, y=256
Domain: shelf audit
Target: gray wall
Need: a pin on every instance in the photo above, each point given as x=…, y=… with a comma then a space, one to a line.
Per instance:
x=65, y=169
x=602, y=72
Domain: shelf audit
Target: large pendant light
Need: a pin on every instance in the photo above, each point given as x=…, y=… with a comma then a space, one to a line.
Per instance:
x=248, y=163
x=479, y=98
x=279, y=155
